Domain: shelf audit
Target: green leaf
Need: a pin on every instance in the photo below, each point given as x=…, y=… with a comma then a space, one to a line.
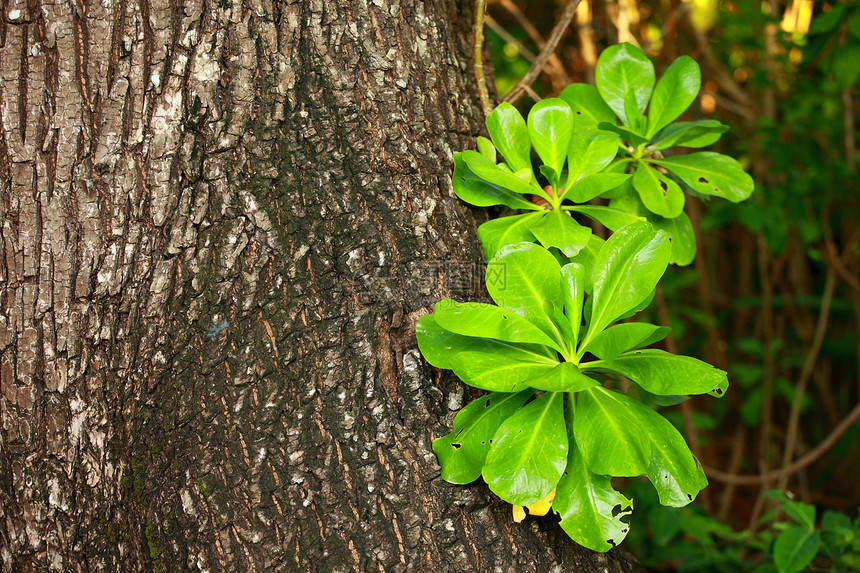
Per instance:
x=629, y=135
x=663, y=373
x=485, y=148
x=529, y=452
x=565, y=377
x=625, y=273
x=690, y=134
x=488, y=321
x=625, y=336
x=493, y=174
x=675, y=473
x=496, y=233
x=660, y=194
x=674, y=93
x=608, y=434
x=558, y=229
x=682, y=236
x=795, y=548
x=586, y=257
x=612, y=219
x=436, y=344
x=573, y=293
x=802, y=513
x=475, y=190
x=587, y=505
x=462, y=452
x=550, y=126
x=624, y=73
x=588, y=107
x=591, y=186
x=525, y=278
x=710, y=173
x=511, y=136
x=589, y=153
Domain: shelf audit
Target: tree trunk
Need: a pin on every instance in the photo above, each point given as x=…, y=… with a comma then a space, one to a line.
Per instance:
x=220, y=222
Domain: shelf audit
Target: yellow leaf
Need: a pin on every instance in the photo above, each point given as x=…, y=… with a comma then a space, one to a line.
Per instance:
x=519, y=513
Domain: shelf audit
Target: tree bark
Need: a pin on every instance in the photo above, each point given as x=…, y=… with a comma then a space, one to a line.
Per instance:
x=220, y=222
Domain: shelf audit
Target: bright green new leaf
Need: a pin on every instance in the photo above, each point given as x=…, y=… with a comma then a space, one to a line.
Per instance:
x=589, y=153
x=436, y=344
x=588, y=107
x=496, y=233
x=488, y=321
x=674, y=93
x=625, y=336
x=609, y=434
x=524, y=278
x=550, y=126
x=591, y=186
x=492, y=173
x=485, y=148
x=664, y=373
x=573, y=293
x=625, y=273
x=558, y=229
x=660, y=194
x=680, y=231
x=511, y=136
x=587, y=505
x=462, y=452
x=710, y=173
x=475, y=190
x=675, y=473
x=612, y=219
x=529, y=452
x=624, y=74
x=565, y=377
x=795, y=548
x=690, y=134
x=501, y=366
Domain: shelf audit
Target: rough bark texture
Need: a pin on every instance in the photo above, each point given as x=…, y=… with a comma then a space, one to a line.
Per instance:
x=220, y=222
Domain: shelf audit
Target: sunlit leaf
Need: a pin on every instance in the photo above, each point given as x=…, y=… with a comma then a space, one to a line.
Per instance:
x=623, y=74
x=475, y=190
x=625, y=336
x=550, y=125
x=690, y=134
x=612, y=219
x=510, y=136
x=660, y=194
x=565, y=377
x=496, y=233
x=676, y=90
x=711, y=173
x=664, y=373
x=588, y=107
x=558, y=229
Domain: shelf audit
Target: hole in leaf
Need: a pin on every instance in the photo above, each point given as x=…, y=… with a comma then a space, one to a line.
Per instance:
x=702, y=180
x=578, y=113
x=718, y=391
x=611, y=542
x=456, y=446
x=487, y=403
x=690, y=497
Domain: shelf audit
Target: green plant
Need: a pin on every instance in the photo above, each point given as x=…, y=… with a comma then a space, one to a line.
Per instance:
x=579, y=130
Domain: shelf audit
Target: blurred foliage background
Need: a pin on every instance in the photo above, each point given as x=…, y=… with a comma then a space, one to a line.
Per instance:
x=773, y=297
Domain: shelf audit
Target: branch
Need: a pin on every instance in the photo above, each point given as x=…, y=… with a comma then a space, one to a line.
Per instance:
x=551, y=44
x=478, y=54
x=798, y=465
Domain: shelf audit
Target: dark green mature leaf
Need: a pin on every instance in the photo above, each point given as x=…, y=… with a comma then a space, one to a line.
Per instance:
x=588, y=107
x=492, y=173
x=525, y=278
x=573, y=293
x=609, y=434
x=529, y=452
x=511, y=136
x=663, y=373
x=565, y=377
x=690, y=134
x=462, y=452
x=625, y=79
x=674, y=93
x=795, y=548
x=711, y=173
x=589, y=153
x=612, y=219
x=550, y=126
x=488, y=321
x=591, y=186
x=558, y=229
x=496, y=233
x=475, y=190
x=620, y=338
x=587, y=505
x=625, y=273
x=660, y=194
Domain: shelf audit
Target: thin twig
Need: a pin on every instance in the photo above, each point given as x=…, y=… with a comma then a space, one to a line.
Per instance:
x=506, y=36
x=806, y=371
x=554, y=62
x=551, y=44
x=799, y=464
x=478, y=54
